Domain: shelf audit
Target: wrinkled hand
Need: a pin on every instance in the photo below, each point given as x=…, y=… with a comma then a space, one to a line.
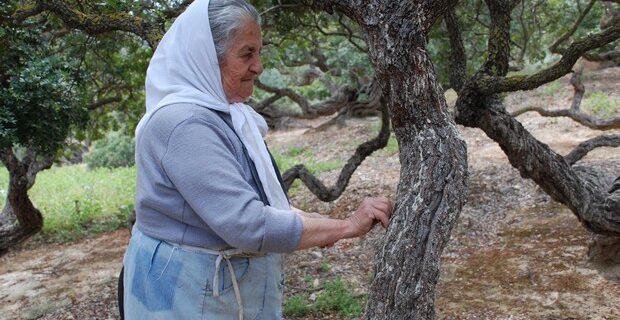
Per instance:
x=370, y=212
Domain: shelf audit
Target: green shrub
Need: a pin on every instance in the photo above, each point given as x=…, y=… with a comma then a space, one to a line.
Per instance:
x=599, y=103
x=114, y=151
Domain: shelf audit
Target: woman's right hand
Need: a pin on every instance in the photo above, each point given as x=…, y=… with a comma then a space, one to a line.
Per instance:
x=370, y=212
x=324, y=231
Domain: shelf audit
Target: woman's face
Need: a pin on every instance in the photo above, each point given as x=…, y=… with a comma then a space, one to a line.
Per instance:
x=241, y=63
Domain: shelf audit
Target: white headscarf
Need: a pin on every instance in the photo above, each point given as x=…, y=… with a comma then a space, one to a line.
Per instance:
x=185, y=69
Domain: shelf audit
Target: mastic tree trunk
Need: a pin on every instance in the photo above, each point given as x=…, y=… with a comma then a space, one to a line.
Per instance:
x=433, y=180
x=19, y=218
x=431, y=190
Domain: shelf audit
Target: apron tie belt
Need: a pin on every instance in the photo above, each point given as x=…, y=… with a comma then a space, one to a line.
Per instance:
x=226, y=255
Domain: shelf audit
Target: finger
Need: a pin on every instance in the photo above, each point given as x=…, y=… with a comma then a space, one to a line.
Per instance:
x=391, y=208
x=382, y=216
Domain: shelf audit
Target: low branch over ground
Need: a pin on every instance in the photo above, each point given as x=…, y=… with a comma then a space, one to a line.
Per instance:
x=364, y=150
x=583, y=118
x=585, y=147
x=575, y=112
x=344, y=96
x=345, y=102
x=582, y=189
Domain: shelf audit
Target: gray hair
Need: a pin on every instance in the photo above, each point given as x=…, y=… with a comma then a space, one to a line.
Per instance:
x=226, y=18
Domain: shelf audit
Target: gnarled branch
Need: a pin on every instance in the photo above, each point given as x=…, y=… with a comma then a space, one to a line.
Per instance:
x=95, y=24
x=458, y=57
x=574, y=112
x=585, y=147
x=553, y=48
x=498, y=47
x=103, y=102
x=343, y=97
x=490, y=84
x=364, y=150
x=583, y=118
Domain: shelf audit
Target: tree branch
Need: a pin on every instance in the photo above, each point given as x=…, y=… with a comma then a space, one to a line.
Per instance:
x=94, y=24
x=458, y=57
x=526, y=34
x=342, y=98
x=585, y=147
x=286, y=92
x=364, y=150
x=491, y=84
x=580, y=117
x=100, y=103
x=173, y=12
x=574, y=112
x=606, y=56
x=553, y=48
x=498, y=47
x=582, y=189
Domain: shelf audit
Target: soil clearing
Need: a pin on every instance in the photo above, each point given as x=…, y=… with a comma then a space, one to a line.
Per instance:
x=515, y=253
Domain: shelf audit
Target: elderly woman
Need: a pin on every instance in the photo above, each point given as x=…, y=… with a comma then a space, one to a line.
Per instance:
x=212, y=217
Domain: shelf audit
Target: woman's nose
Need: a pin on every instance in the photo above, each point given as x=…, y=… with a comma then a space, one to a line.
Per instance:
x=257, y=67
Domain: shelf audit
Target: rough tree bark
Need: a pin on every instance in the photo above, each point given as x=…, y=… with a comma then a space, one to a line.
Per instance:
x=433, y=157
x=19, y=218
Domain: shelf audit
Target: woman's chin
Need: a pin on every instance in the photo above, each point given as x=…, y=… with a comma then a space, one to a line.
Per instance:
x=242, y=95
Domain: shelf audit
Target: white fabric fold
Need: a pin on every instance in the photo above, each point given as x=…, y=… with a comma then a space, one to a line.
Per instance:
x=184, y=69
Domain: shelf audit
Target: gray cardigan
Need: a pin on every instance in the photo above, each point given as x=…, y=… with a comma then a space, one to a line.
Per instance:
x=195, y=186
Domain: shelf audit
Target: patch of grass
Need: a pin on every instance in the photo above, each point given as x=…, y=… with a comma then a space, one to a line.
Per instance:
x=552, y=88
x=296, y=306
x=601, y=104
x=77, y=202
x=295, y=151
x=336, y=297
x=325, y=267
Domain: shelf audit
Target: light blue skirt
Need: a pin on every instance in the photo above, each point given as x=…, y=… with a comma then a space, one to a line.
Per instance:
x=166, y=281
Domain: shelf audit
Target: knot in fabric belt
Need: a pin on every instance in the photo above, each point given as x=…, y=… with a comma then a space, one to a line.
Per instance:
x=227, y=255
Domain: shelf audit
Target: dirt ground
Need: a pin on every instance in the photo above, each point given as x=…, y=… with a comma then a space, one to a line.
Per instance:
x=515, y=253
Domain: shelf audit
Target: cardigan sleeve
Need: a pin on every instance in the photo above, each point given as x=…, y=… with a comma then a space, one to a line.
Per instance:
x=200, y=161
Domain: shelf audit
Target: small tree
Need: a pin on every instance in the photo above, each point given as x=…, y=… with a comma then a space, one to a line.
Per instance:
x=38, y=108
